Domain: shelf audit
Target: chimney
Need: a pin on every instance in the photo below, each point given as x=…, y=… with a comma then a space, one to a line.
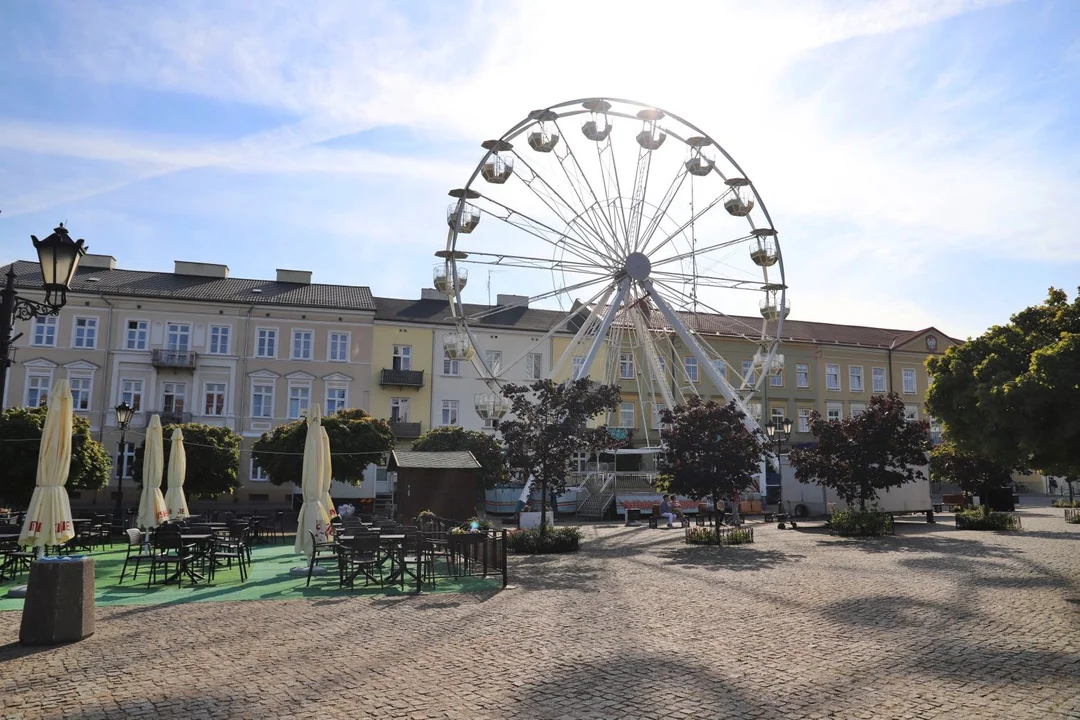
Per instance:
x=517, y=300
x=211, y=270
x=98, y=262
x=431, y=294
x=298, y=277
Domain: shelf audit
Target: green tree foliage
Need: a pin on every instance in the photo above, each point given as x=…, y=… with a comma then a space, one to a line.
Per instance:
x=1012, y=393
x=356, y=440
x=20, y=440
x=859, y=456
x=213, y=459
x=709, y=453
x=972, y=472
x=549, y=424
x=485, y=448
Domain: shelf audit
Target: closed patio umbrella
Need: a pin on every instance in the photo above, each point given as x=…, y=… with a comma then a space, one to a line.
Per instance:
x=175, y=501
x=152, y=508
x=48, y=521
x=313, y=516
x=327, y=474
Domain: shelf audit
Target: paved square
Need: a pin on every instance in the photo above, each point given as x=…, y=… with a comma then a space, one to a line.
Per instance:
x=932, y=623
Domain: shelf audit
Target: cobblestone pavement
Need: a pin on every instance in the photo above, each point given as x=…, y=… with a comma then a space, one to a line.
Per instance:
x=932, y=623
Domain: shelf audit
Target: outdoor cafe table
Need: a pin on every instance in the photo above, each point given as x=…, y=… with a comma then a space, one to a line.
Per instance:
x=393, y=542
x=197, y=539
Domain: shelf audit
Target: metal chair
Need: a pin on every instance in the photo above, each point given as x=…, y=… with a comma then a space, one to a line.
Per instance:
x=320, y=552
x=136, y=552
x=359, y=556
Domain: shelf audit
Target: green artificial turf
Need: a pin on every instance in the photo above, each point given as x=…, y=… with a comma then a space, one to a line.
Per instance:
x=268, y=579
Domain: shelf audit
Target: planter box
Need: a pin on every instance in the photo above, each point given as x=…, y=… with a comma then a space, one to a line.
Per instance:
x=530, y=520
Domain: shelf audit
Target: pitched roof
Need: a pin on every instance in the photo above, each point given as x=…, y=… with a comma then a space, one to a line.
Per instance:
x=170, y=286
x=438, y=312
x=459, y=460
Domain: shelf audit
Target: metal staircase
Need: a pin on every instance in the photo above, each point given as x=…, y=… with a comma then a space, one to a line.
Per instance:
x=596, y=495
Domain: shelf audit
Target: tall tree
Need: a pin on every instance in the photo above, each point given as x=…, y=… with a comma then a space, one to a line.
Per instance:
x=971, y=471
x=859, y=456
x=708, y=451
x=356, y=440
x=549, y=423
x=213, y=459
x=485, y=448
x=20, y=440
x=1011, y=394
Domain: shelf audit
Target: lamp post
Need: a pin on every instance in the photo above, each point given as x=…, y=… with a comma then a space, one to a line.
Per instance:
x=58, y=256
x=781, y=433
x=124, y=413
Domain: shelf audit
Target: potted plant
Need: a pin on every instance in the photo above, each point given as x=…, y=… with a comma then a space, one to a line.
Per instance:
x=529, y=519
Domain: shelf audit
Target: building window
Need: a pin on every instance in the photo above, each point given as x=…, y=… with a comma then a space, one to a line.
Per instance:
x=802, y=375
x=776, y=379
x=878, y=375
x=173, y=397
x=911, y=413
x=690, y=368
x=299, y=401
x=626, y=415
x=449, y=365
x=80, y=392
x=126, y=460
x=755, y=410
x=215, y=399
x=336, y=398
x=178, y=337
x=804, y=420
x=339, y=347
x=131, y=393
x=579, y=365
x=854, y=378
x=85, y=333
x=832, y=377
x=449, y=412
x=399, y=410
x=37, y=390
x=136, y=335
x=909, y=381
x=534, y=366
x=748, y=374
x=266, y=342
x=857, y=408
x=663, y=365
x=656, y=420
x=402, y=357
x=777, y=416
x=257, y=474
x=721, y=367
x=834, y=411
x=626, y=366
x=44, y=332
x=493, y=359
x=301, y=344
x=262, y=401
x=219, y=340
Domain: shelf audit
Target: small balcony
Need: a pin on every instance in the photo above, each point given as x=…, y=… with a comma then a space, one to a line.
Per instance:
x=405, y=430
x=170, y=417
x=402, y=378
x=175, y=359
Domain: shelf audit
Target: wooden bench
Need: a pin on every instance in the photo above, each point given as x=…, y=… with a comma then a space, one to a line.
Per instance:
x=654, y=518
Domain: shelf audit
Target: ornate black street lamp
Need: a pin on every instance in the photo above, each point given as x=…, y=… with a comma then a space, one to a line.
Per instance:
x=780, y=432
x=124, y=413
x=58, y=256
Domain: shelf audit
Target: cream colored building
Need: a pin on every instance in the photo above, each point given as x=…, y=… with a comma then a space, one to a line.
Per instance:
x=196, y=345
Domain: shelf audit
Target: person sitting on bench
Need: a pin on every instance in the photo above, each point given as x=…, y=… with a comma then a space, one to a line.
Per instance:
x=676, y=509
x=665, y=512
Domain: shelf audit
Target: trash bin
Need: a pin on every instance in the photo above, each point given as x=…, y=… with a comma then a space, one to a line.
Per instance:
x=59, y=604
x=633, y=516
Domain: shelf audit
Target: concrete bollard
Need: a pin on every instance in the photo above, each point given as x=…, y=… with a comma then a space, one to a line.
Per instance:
x=59, y=605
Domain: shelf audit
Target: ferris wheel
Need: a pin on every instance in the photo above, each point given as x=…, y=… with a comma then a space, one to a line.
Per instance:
x=645, y=233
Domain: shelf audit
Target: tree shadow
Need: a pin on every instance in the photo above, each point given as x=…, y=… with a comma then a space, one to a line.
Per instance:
x=932, y=543
x=893, y=612
x=737, y=558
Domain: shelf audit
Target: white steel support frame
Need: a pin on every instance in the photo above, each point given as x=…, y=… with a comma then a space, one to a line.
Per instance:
x=605, y=325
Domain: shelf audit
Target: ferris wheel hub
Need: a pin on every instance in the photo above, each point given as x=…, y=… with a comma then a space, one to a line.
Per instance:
x=637, y=266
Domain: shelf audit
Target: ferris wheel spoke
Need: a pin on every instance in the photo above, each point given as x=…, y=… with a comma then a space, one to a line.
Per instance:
x=597, y=308
x=525, y=302
x=637, y=203
x=713, y=282
x=609, y=174
x=534, y=263
x=693, y=218
x=577, y=178
x=734, y=320
x=553, y=200
x=651, y=353
x=699, y=252
x=558, y=240
x=662, y=208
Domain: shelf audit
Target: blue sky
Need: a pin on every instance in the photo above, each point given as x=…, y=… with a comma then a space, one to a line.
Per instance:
x=919, y=158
